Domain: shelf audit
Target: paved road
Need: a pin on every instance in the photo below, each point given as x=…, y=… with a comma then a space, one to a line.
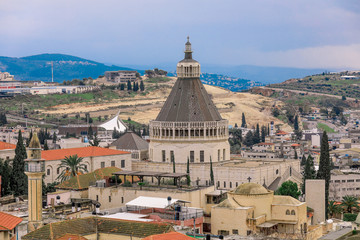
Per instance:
x=307, y=92
x=14, y=118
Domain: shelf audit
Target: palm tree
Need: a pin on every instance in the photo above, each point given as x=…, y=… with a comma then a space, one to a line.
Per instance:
x=349, y=202
x=333, y=208
x=71, y=166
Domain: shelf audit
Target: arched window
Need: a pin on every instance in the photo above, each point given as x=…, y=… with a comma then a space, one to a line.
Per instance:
x=292, y=212
x=277, y=171
x=288, y=212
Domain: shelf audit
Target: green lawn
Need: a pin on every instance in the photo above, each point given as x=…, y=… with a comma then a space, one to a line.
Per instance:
x=325, y=127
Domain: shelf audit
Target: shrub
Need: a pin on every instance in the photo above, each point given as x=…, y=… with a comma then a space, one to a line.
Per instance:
x=349, y=217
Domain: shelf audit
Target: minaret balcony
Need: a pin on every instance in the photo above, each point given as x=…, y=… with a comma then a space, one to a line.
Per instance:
x=34, y=166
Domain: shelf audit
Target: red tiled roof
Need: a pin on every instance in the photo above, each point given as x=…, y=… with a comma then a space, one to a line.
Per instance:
x=8, y=221
x=281, y=133
x=69, y=236
x=91, y=151
x=295, y=145
x=5, y=145
x=265, y=143
x=170, y=235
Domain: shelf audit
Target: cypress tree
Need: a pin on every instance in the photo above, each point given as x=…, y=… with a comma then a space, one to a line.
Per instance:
x=257, y=134
x=188, y=180
x=295, y=155
x=309, y=171
x=303, y=161
x=128, y=85
x=325, y=168
x=296, y=123
x=18, y=176
x=134, y=86
x=90, y=132
x=46, y=147
x=142, y=86
x=243, y=121
x=122, y=87
x=28, y=140
x=263, y=133
x=5, y=173
x=268, y=129
x=54, y=137
x=249, y=139
x=211, y=173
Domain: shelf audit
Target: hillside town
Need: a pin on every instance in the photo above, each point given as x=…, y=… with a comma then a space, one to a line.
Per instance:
x=188, y=174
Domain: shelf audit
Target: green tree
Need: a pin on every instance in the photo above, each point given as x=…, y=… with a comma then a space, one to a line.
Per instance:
x=122, y=87
x=71, y=166
x=333, y=208
x=188, y=180
x=28, y=140
x=95, y=142
x=90, y=132
x=54, y=137
x=18, y=176
x=256, y=138
x=211, y=173
x=128, y=85
x=5, y=173
x=46, y=147
x=263, y=133
x=303, y=160
x=243, y=121
x=142, y=86
x=349, y=203
x=134, y=87
x=296, y=155
x=309, y=171
x=289, y=188
x=249, y=139
x=296, y=123
x=325, y=168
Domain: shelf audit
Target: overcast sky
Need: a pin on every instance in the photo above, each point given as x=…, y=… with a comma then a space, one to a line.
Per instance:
x=311, y=34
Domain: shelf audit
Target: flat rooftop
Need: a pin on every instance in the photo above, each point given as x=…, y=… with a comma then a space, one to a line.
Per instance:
x=253, y=163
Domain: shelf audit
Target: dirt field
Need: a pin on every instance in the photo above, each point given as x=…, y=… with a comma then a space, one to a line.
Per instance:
x=231, y=105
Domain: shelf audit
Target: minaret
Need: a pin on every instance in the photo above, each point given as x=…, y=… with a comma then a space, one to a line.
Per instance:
x=34, y=169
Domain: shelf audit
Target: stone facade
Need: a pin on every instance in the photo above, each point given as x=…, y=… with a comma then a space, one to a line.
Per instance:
x=122, y=161
x=344, y=185
x=315, y=198
x=228, y=174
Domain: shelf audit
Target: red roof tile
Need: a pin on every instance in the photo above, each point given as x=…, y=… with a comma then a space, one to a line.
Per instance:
x=91, y=151
x=5, y=145
x=8, y=221
x=167, y=236
x=264, y=143
x=295, y=145
x=281, y=133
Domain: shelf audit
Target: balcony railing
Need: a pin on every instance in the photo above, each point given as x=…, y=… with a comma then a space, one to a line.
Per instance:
x=34, y=167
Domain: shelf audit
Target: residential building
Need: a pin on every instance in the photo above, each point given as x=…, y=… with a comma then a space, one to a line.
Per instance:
x=8, y=226
x=121, y=76
x=93, y=157
x=344, y=184
x=7, y=150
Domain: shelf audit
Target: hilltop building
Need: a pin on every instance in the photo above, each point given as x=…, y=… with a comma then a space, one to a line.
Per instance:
x=121, y=76
x=189, y=124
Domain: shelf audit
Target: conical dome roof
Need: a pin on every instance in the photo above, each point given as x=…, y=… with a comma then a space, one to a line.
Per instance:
x=34, y=142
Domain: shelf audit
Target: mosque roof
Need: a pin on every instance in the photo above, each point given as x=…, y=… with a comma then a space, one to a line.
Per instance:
x=250, y=189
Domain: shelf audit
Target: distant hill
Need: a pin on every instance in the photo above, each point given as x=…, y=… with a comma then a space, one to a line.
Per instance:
x=325, y=83
x=66, y=67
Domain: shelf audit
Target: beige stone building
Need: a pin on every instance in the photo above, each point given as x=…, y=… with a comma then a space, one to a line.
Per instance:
x=189, y=124
x=93, y=157
x=252, y=209
x=7, y=150
x=344, y=184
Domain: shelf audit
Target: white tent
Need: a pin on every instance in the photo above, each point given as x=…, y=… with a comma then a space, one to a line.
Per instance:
x=114, y=123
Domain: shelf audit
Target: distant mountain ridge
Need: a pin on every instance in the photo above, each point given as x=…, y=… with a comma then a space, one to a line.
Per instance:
x=66, y=67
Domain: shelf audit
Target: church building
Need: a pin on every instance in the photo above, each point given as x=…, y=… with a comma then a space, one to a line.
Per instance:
x=189, y=124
